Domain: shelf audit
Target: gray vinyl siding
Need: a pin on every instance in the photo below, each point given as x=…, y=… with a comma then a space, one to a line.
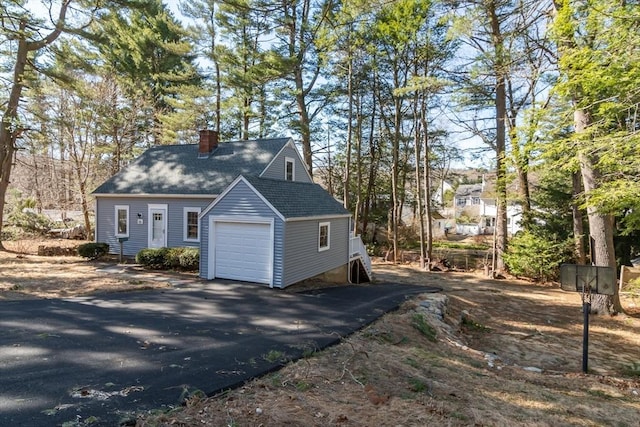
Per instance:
x=302, y=258
x=276, y=169
x=241, y=201
x=138, y=233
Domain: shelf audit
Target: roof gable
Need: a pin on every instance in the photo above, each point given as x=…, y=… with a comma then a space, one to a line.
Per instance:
x=176, y=169
x=291, y=145
x=290, y=200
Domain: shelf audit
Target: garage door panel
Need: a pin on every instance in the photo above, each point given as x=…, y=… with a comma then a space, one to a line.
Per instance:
x=243, y=251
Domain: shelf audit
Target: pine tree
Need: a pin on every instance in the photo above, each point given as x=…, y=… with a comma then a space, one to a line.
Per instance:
x=598, y=61
x=149, y=51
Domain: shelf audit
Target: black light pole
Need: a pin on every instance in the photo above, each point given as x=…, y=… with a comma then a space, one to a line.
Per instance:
x=586, y=308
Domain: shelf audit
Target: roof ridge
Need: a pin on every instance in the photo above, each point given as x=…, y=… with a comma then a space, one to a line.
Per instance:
x=257, y=177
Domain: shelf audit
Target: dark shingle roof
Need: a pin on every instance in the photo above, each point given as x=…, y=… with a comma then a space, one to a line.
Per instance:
x=468, y=190
x=176, y=169
x=297, y=199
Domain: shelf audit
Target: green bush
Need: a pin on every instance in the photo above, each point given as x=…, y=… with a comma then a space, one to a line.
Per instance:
x=537, y=257
x=9, y=233
x=93, y=250
x=169, y=258
x=172, y=258
x=190, y=259
x=152, y=258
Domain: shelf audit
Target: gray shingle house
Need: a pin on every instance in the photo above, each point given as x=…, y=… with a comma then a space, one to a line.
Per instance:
x=250, y=206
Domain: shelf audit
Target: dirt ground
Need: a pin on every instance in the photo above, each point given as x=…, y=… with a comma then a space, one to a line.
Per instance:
x=482, y=353
x=24, y=274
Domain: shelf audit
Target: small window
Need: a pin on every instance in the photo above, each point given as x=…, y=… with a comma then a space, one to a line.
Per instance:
x=476, y=200
x=289, y=169
x=122, y=221
x=323, y=236
x=191, y=225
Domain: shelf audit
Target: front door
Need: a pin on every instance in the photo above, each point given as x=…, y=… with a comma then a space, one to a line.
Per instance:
x=157, y=227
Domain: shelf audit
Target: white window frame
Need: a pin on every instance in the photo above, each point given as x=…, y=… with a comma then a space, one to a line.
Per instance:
x=328, y=245
x=185, y=227
x=117, y=209
x=287, y=161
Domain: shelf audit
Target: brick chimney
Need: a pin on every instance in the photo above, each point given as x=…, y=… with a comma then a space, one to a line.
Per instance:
x=208, y=142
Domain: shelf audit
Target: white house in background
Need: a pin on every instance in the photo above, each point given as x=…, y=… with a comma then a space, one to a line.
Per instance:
x=477, y=201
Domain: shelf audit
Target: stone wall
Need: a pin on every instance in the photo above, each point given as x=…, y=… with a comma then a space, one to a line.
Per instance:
x=57, y=251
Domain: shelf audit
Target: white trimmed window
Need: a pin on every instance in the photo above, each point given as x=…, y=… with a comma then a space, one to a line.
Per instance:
x=191, y=225
x=289, y=169
x=122, y=220
x=324, y=229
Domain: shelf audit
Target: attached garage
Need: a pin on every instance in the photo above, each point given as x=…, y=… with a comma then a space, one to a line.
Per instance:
x=242, y=249
x=274, y=232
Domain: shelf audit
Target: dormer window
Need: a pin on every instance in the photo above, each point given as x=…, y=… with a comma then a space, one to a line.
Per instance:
x=289, y=169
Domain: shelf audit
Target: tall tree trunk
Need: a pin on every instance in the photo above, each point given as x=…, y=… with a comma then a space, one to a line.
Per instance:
x=600, y=224
x=9, y=129
x=395, y=172
x=501, y=116
x=418, y=156
x=298, y=45
x=358, y=207
x=245, y=118
x=427, y=183
x=373, y=166
x=305, y=125
x=578, y=222
x=347, y=166
x=216, y=66
x=521, y=163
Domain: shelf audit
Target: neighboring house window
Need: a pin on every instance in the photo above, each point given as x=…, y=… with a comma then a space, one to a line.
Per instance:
x=122, y=221
x=475, y=200
x=289, y=169
x=323, y=236
x=461, y=201
x=191, y=225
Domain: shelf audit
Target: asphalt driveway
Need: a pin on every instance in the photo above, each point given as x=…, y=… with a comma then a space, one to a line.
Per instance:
x=100, y=359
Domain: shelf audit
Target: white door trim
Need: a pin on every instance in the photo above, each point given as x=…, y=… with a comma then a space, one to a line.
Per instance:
x=211, y=274
x=163, y=208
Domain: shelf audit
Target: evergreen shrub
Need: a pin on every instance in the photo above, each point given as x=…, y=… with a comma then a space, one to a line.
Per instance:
x=93, y=250
x=152, y=258
x=537, y=257
x=169, y=258
x=30, y=222
x=190, y=259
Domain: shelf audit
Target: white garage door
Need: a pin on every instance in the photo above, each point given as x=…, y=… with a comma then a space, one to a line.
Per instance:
x=242, y=251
